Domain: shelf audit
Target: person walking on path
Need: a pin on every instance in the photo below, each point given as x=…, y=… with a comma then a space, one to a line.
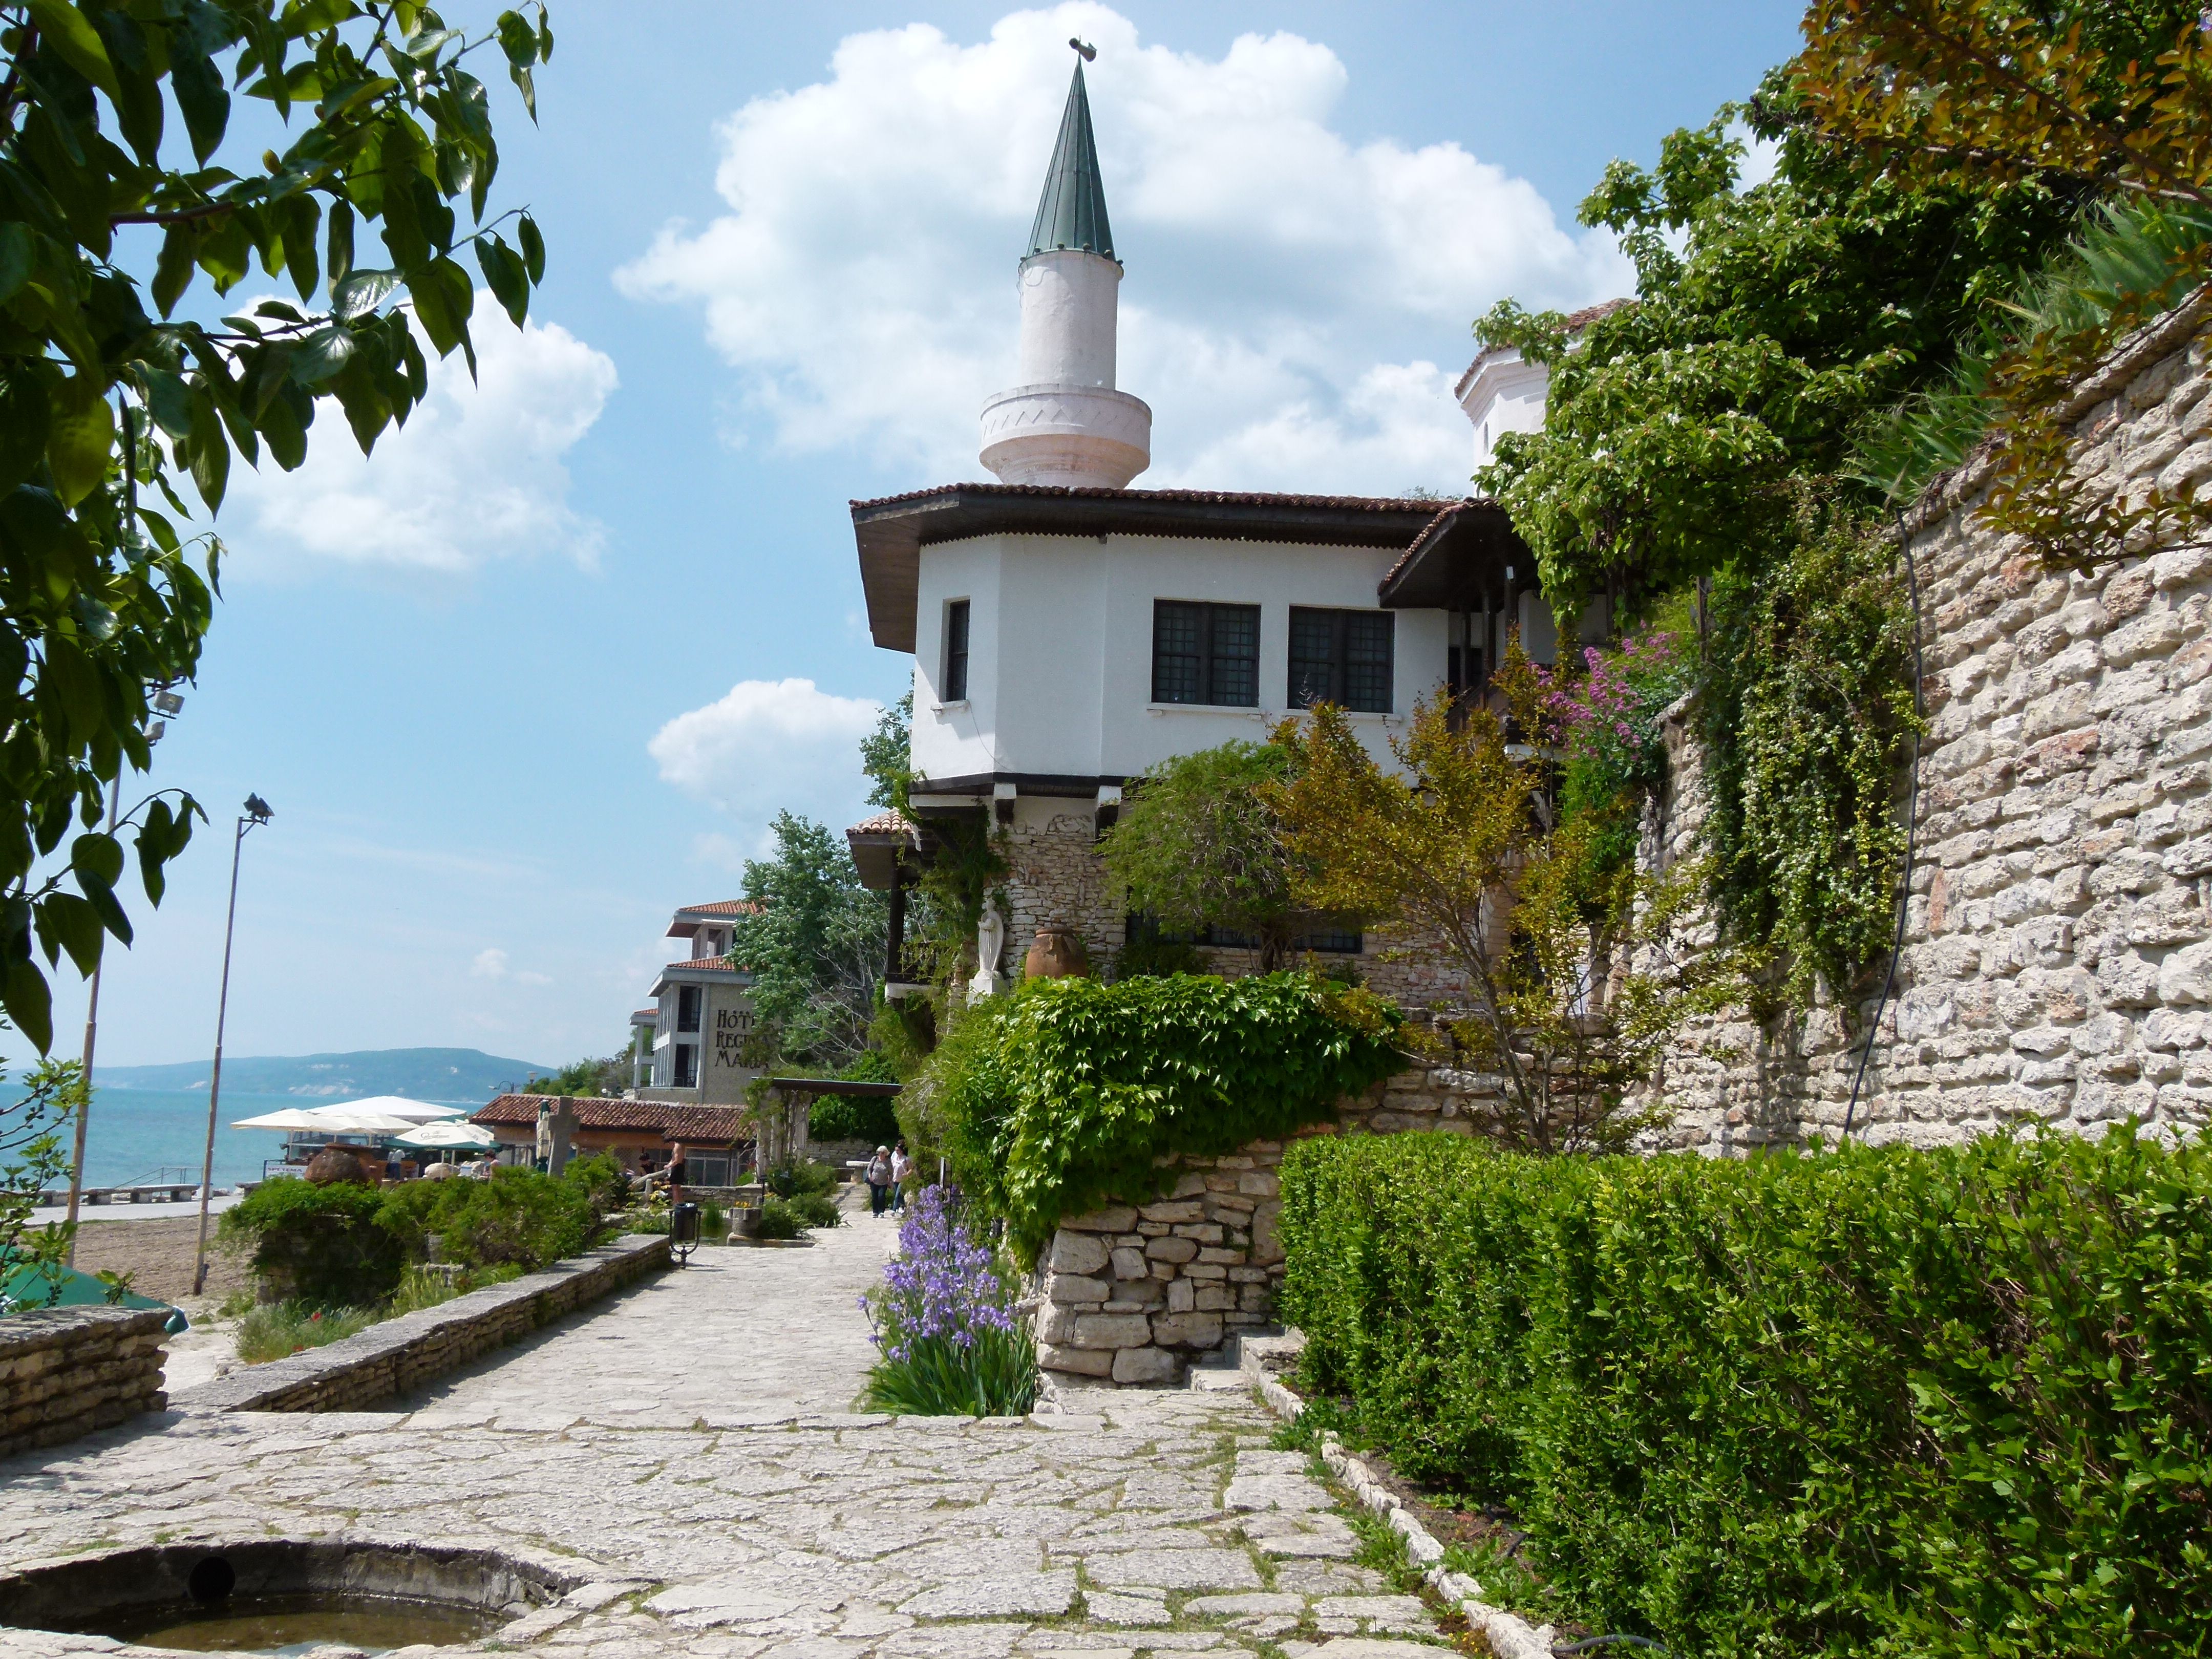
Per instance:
x=902, y=1168
x=879, y=1179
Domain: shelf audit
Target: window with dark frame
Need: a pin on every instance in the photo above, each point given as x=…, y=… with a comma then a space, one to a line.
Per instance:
x=1342, y=657
x=955, y=687
x=1206, y=653
x=687, y=1066
x=687, y=1008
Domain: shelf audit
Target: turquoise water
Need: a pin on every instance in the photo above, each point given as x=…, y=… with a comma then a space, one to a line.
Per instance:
x=136, y=1133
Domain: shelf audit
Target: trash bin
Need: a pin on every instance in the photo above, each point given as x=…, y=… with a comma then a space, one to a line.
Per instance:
x=683, y=1230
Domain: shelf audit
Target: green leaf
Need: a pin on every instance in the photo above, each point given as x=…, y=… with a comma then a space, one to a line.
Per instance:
x=66, y=29
x=301, y=217
x=361, y=292
x=526, y=85
x=284, y=421
x=197, y=82
x=173, y=269
x=17, y=253
x=24, y=413
x=210, y=449
x=167, y=400
x=97, y=855
x=322, y=355
x=533, y=249
x=444, y=297
x=503, y=270
x=81, y=440
x=340, y=242
x=29, y=1004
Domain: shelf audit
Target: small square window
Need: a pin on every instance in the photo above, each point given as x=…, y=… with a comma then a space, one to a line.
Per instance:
x=954, y=686
x=1206, y=653
x=1342, y=657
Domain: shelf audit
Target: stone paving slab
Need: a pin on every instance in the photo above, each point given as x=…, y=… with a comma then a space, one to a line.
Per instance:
x=705, y=1479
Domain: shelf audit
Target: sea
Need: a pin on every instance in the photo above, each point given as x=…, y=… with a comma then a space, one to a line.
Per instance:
x=161, y=1134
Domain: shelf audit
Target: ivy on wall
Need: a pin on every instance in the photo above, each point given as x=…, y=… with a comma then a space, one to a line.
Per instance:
x=1065, y=1095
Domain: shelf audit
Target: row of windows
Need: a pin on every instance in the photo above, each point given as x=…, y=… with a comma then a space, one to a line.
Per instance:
x=1210, y=654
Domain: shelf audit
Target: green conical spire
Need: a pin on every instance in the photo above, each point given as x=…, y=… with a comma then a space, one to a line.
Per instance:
x=1073, y=212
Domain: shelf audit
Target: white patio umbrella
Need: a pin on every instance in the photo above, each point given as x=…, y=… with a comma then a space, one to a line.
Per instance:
x=415, y=1111
x=449, y=1134
x=289, y=1117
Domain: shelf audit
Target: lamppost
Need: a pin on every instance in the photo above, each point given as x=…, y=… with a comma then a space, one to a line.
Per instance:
x=168, y=704
x=257, y=813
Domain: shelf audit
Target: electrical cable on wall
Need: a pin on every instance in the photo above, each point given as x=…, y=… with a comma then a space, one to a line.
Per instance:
x=1911, y=833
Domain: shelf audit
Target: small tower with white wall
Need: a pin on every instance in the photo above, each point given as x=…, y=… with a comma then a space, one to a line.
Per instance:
x=1064, y=424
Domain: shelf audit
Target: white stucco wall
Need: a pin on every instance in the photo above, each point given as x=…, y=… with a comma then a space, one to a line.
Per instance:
x=1061, y=647
x=1505, y=394
x=1068, y=319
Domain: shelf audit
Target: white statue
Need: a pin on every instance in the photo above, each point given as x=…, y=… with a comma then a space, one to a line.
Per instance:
x=990, y=941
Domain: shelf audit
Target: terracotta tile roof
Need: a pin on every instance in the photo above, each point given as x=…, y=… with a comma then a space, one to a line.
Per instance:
x=669, y=1121
x=1576, y=322
x=653, y=1013
x=703, y=963
x=688, y=916
x=891, y=823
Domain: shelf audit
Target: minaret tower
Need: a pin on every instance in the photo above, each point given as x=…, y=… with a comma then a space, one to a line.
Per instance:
x=1064, y=424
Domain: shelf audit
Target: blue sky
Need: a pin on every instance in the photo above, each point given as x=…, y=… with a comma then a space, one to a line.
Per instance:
x=543, y=669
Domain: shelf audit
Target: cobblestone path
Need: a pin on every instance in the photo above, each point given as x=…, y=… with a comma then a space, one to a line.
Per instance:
x=686, y=1452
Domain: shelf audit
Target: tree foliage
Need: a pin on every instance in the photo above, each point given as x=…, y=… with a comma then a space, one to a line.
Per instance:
x=105, y=409
x=587, y=1077
x=34, y=1156
x=2089, y=99
x=1575, y=962
x=1198, y=846
x=815, y=949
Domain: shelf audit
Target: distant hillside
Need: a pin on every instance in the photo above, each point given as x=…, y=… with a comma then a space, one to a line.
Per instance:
x=457, y=1075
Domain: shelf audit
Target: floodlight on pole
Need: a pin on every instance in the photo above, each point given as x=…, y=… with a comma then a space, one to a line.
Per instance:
x=170, y=704
x=256, y=814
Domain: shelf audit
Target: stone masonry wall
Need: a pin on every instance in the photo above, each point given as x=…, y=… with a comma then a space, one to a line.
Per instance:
x=69, y=1371
x=400, y=1355
x=1134, y=1293
x=2058, y=959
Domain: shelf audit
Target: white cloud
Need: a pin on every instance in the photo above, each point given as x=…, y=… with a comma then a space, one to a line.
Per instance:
x=1289, y=295
x=492, y=964
x=476, y=474
x=767, y=744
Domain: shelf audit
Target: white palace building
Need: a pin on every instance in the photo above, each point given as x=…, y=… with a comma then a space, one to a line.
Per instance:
x=1068, y=631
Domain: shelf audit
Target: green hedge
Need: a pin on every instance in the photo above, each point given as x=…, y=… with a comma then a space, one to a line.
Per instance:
x=1883, y=1402
x=1067, y=1094
x=346, y=1244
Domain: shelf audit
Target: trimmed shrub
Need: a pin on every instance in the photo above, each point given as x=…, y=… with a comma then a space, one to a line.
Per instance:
x=815, y=1209
x=778, y=1220
x=519, y=1216
x=320, y=1246
x=1068, y=1094
x=1876, y=1401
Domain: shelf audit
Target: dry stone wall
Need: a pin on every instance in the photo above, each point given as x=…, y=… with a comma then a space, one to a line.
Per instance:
x=69, y=1371
x=1134, y=1293
x=400, y=1355
x=2058, y=959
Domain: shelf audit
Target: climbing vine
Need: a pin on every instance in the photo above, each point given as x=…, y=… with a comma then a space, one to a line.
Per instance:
x=1807, y=719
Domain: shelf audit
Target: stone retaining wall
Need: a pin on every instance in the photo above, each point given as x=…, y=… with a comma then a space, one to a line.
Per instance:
x=1134, y=1293
x=68, y=1371
x=2058, y=959
x=400, y=1355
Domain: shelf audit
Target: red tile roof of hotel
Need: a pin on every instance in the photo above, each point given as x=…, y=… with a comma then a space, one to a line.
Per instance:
x=667, y=1119
x=702, y=962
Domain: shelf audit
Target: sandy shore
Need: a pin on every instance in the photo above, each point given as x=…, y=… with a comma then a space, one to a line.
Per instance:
x=158, y=1254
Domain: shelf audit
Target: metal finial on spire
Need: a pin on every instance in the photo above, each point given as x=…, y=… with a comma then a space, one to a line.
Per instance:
x=1089, y=54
